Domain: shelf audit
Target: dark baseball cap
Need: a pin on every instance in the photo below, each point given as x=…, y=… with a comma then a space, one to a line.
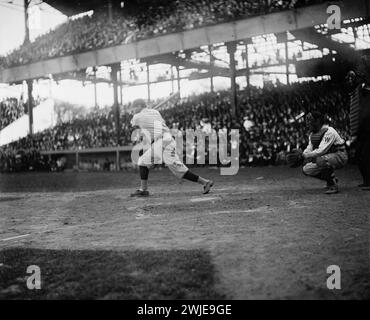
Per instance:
x=139, y=104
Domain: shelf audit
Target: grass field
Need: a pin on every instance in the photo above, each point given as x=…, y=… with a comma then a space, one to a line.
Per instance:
x=264, y=233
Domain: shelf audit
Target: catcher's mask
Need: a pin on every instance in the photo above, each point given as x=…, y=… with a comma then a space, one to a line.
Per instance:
x=315, y=120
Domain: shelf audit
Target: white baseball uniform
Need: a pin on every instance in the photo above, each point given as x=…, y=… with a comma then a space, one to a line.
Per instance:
x=163, y=146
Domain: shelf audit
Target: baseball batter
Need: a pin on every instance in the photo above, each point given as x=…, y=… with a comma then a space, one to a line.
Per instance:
x=325, y=152
x=162, y=148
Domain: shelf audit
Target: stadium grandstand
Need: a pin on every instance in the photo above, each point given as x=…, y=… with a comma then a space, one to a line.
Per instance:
x=252, y=65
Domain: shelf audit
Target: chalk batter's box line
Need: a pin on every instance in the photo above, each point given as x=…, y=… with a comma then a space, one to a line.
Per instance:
x=16, y=237
x=60, y=229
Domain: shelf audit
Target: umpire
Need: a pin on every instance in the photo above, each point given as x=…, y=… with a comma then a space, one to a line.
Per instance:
x=359, y=118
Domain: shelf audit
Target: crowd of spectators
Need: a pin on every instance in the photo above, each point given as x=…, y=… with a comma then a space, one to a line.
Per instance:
x=17, y=157
x=10, y=110
x=96, y=130
x=145, y=20
x=270, y=121
x=274, y=112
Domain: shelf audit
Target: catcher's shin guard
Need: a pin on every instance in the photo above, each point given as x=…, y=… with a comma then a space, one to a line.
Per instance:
x=327, y=174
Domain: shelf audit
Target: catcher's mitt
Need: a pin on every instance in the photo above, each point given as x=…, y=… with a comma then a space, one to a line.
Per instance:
x=294, y=158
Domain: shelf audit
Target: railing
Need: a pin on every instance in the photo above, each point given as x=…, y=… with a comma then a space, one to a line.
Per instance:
x=76, y=156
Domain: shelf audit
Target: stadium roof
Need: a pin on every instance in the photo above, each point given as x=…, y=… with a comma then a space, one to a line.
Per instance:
x=70, y=7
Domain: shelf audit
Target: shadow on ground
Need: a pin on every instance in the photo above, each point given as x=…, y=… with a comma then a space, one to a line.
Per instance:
x=97, y=274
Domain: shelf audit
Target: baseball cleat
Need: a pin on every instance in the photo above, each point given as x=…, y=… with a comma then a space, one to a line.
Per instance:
x=333, y=183
x=208, y=186
x=140, y=193
x=332, y=189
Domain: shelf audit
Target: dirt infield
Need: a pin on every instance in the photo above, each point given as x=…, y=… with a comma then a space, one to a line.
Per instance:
x=265, y=233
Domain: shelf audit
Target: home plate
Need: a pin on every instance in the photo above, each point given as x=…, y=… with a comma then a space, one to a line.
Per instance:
x=203, y=199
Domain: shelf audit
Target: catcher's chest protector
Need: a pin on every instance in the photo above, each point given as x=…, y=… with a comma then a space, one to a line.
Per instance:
x=317, y=137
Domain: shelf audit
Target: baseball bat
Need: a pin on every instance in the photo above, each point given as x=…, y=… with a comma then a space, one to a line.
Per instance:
x=172, y=96
x=295, y=119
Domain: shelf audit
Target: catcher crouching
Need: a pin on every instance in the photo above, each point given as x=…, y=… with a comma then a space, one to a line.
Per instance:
x=325, y=153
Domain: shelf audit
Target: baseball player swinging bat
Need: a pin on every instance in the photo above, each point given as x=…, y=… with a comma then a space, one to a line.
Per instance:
x=163, y=147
